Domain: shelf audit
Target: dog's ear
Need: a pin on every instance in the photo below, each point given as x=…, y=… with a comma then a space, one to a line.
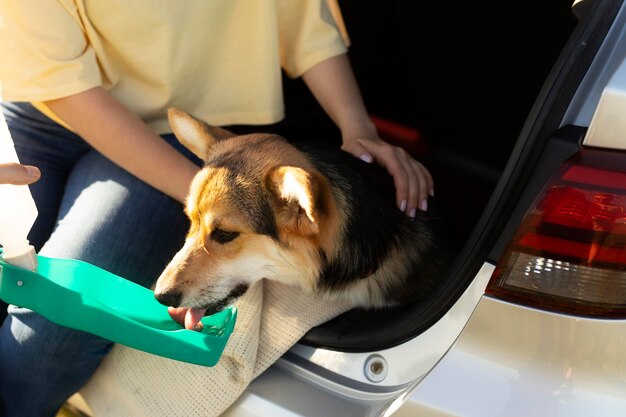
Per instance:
x=194, y=133
x=301, y=198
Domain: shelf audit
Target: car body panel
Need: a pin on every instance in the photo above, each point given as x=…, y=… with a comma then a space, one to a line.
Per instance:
x=516, y=361
x=607, y=61
x=337, y=379
x=409, y=361
x=608, y=125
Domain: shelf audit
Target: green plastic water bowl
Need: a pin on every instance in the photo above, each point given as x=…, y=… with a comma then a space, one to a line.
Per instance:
x=82, y=296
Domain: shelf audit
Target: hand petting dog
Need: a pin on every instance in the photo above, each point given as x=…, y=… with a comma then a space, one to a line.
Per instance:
x=334, y=86
x=412, y=180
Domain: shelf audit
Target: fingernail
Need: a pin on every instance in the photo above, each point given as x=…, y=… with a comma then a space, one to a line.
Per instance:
x=403, y=205
x=367, y=158
x=32, y=171
x=424, y=205
x=431, y=192
x=412, y=213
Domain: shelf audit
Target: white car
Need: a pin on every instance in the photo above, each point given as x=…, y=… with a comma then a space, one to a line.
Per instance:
x=531, y=319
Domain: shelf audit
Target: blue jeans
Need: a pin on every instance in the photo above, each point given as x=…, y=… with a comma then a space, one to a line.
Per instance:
x=89, y=209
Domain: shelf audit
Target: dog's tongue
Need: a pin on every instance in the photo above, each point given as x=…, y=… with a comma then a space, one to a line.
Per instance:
x=193, y=317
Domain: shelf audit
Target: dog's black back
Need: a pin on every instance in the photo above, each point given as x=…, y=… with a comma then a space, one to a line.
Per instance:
x=376, y=228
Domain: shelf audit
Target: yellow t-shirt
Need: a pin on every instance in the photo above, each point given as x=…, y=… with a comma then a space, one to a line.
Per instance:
x=220, y=60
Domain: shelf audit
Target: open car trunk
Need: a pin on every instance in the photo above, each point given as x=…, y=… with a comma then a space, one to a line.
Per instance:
x=488, y=88
x=453, y=86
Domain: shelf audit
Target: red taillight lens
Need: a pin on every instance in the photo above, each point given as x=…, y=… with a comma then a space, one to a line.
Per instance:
x=569, y=254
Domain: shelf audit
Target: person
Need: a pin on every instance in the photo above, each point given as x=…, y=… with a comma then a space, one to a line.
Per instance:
x=86, y=86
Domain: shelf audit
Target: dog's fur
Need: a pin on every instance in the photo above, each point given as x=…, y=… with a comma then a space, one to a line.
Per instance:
x=304, y=215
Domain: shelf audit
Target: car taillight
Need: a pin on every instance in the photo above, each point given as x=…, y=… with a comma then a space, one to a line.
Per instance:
x=569, y=254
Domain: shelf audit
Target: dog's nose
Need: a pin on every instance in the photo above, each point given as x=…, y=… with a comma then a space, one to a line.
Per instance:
x=169, y=298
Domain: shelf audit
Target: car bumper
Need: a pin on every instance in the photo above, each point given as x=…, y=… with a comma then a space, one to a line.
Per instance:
x=517, y=361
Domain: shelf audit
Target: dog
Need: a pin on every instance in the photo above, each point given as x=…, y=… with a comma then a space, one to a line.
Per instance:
x=301, y=214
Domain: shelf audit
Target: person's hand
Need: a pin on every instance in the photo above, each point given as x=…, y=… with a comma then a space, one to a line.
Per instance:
x=333, y=84
x=412, y=180
x=17, y=174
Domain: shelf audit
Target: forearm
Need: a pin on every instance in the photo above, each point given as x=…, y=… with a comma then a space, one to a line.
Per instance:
x=124, y=138
x=334, y=86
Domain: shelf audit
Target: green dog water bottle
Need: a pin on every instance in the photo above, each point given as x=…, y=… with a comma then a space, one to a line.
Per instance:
x=82, y=296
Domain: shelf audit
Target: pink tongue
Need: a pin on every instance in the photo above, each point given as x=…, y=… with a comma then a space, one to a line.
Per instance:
x=193, y=317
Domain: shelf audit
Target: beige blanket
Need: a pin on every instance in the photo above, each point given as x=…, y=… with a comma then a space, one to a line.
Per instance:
x=271, y=318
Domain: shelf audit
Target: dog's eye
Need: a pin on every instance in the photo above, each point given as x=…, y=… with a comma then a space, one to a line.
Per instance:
x=222, y=236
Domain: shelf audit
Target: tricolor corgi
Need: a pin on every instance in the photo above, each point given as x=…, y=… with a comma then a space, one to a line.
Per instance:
x=301, y=214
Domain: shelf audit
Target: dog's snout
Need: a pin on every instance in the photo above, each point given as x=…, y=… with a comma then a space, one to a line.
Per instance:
x=169, y=298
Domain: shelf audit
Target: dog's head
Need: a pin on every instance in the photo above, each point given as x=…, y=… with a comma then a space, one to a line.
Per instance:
x=258, y=209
